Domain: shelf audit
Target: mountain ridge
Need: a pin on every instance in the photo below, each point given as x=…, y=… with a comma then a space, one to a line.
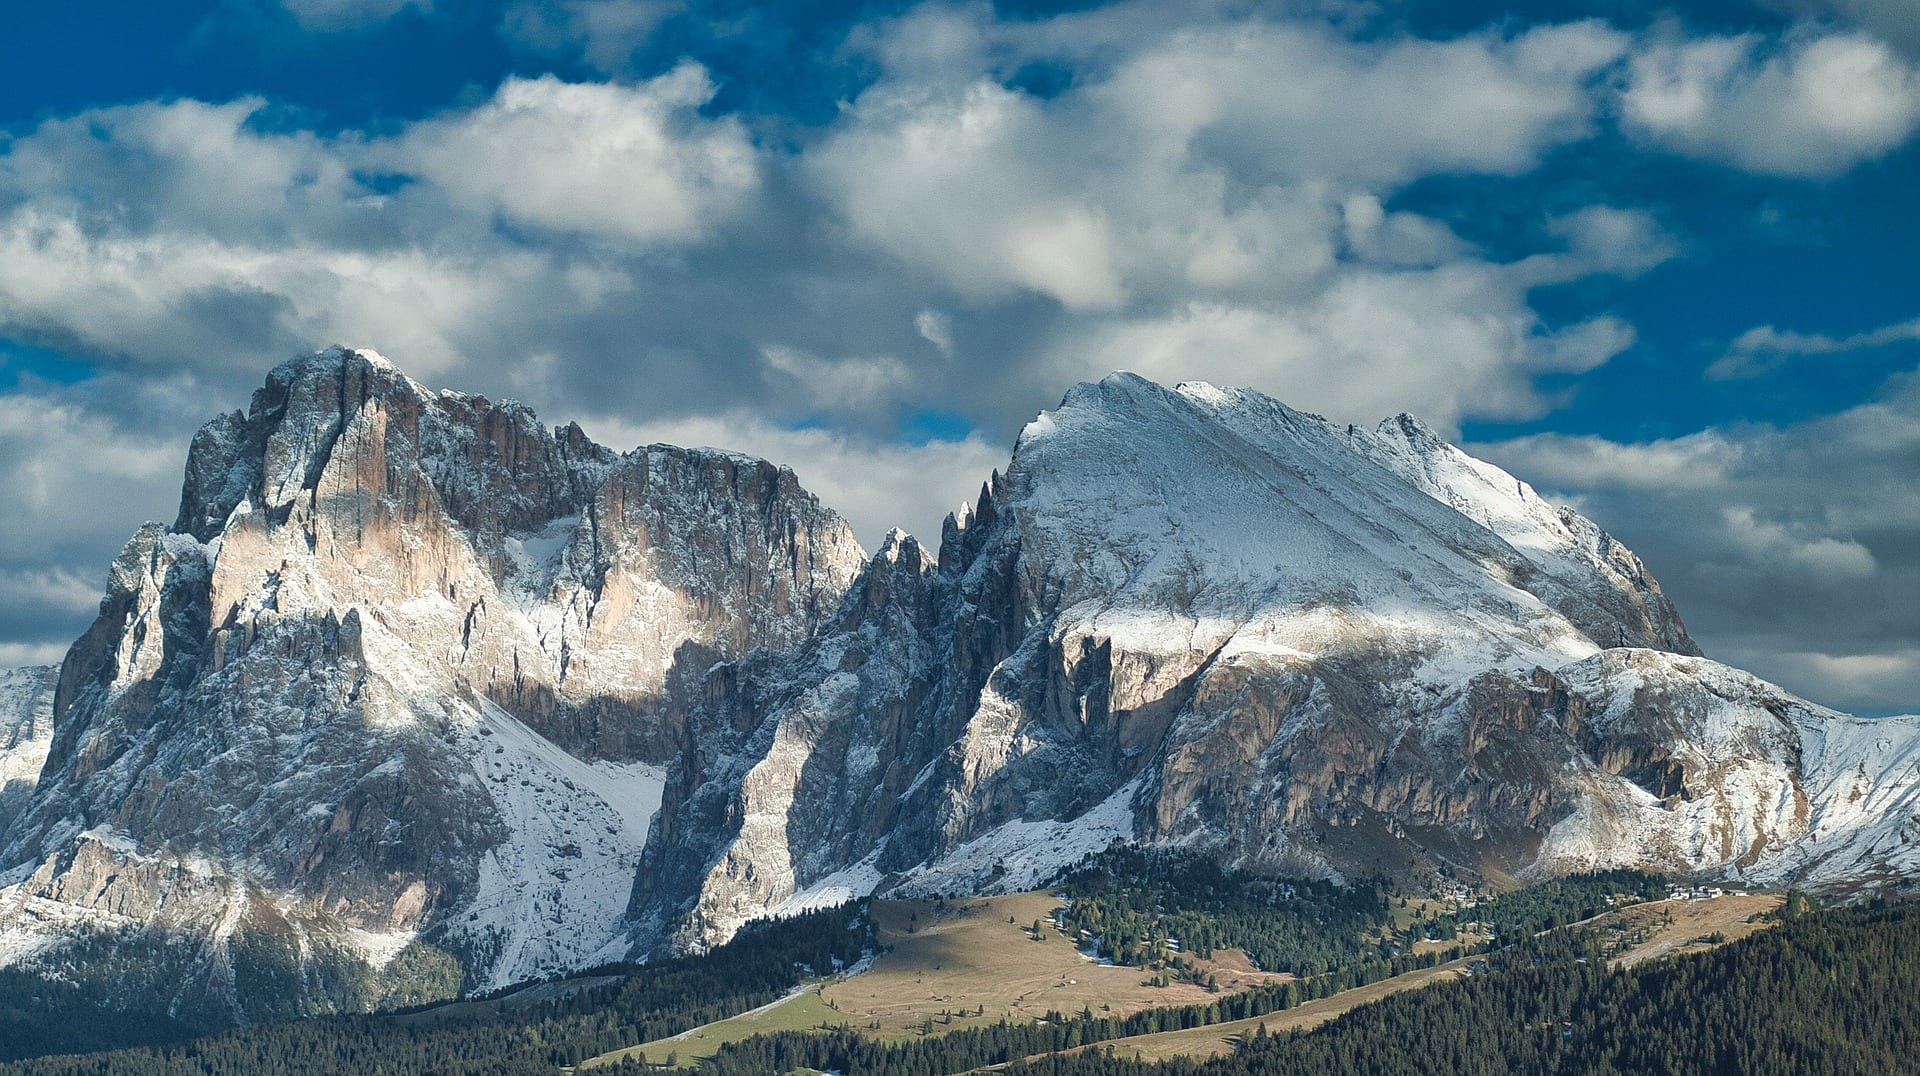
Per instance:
x=1228, y=637
x=338, y=714
x=413, y=682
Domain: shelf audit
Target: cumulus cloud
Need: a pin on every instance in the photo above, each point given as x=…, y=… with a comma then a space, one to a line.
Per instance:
x=1214, y=159
x=600, y=227
x=1813, y=105
x=1608, y=239
x=181, y=234
x=1763, y=349
x=1212, y=201
x=1373, y=343
x=79, y=476
x=1793, y=551
x=632, y=162
x=1293, y=100
x=840, y=385
x=1399, y=240
x=955, y=185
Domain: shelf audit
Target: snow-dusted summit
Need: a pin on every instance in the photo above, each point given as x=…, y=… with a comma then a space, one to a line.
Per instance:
x=1197, y=616
x=390, y=707
x=396, y=673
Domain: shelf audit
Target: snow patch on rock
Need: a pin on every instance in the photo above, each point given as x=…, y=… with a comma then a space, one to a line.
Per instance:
x=556, y=893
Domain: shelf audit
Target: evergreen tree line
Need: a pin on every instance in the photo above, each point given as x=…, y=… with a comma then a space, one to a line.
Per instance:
x=1547, y=1004
x=1521, y=916
x=1134, y=899
x=139, y=987
x=764, y=963
x=1522, y=913
x=1826, y=994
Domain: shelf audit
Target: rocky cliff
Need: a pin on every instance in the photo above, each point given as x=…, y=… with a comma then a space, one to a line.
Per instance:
x=395, y=675
x=1197, y=616
x=391, y=705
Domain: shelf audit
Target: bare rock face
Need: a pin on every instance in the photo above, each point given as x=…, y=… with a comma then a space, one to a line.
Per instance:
x=397, y=671
x=1196, y=616
x=401, y=690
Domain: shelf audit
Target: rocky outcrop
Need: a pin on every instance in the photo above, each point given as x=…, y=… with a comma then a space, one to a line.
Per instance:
x=1196, y=616
x=410, y=674
x=398, y=670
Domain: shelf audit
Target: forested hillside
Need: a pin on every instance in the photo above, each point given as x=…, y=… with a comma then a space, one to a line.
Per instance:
x=1141, y=905
x=622, y=1005
x=1835, y=991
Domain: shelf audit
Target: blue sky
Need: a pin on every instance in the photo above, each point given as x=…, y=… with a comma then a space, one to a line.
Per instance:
x=1659, y=262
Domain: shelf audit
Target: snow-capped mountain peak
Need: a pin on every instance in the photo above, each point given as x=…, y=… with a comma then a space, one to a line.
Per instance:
x=410, y=674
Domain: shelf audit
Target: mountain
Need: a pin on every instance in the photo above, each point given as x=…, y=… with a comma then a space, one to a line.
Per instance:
x=398, y=666
x=1196, y=616
x=417, y=695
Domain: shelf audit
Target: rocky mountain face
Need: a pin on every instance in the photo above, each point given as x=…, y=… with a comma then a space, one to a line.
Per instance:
x=1196, y=616
x=417, y=694
x=399, y=665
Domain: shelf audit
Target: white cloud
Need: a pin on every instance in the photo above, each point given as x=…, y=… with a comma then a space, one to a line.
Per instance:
x=1290, y=100
x=841, y=384
x=1821, y=556
x=1813, y=105
x=14, y=655
x=955, y=184
x=1607, y=239
x=1211, y=200
x=603, y=225
x=1398, y=240
x=59, y=588
x=188, y=164
x=1214, y=159
x=629, y=162
x=180, y=234
x=1793, y=551
x=1439, y=341
x=1570, y=462
x=1764, y=348
x=936, y=329
x=191, y=299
